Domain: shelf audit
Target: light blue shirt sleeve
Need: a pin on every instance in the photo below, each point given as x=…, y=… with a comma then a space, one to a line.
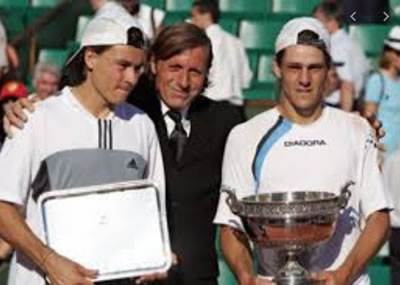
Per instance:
x=373, y=89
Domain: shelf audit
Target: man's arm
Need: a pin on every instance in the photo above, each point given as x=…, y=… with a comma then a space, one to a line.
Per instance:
x=346, y=96
x=237, y=253
x=58, y=269
x=368, y=244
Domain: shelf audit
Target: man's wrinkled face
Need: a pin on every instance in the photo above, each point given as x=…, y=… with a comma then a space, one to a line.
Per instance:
x=181, y=78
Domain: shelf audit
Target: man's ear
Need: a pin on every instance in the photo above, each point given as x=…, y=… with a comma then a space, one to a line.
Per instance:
x=277, y=70
x=90, y=58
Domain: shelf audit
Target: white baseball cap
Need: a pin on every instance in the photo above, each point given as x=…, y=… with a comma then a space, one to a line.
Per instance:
x=393, y=40
x=288, y=36
x=104, y=30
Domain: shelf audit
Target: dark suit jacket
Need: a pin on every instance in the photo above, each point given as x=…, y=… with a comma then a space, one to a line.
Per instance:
x=193, y=184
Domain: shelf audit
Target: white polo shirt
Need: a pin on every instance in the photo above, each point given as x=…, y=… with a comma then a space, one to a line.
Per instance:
x=64, y=146
x=323, y=156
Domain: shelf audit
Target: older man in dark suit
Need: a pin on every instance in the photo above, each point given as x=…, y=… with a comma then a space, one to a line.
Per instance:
x=192, y=142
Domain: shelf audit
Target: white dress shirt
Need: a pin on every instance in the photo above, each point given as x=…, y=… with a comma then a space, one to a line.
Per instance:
x=144, y=18
x=230, y=71
x=355, y=66
x=170, y=124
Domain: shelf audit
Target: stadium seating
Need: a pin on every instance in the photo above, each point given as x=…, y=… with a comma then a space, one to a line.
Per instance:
x=155, y=3
x=57, y=33
x=259, y=34
x=184, y=6
x=44, y=3
x=81, y=25
x=229, y=24
x=370, y=37
x=264, y=69
x=253, y=61
x=245, y=8
x=55, y=56
x=13, y=3
x=261, y=92
x=395, y=6
x=172, y=18
x=14, y=21
x=302, y=7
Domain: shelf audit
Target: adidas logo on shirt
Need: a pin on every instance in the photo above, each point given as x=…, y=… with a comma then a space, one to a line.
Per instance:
x=307, y=143
x=132, y=164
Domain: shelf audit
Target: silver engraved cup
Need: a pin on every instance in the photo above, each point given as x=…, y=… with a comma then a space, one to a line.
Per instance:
x=290, y=222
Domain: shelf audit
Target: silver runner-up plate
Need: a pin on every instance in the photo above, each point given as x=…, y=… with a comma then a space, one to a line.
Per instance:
x=118, y=229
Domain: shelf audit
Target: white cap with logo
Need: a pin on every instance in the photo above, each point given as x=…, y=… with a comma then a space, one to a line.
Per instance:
x=106, y=31
x=288, y=36
x=393, y=40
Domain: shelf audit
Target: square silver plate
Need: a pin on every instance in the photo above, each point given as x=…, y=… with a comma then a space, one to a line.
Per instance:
x=118, y=229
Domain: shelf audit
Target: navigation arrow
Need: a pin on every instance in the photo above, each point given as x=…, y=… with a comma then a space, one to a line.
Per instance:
x=386, y=16
x=352, y=17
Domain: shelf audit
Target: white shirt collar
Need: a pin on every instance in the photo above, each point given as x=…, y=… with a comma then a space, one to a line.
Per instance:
x=165, y=109
x=170, y=124
x=70, y=98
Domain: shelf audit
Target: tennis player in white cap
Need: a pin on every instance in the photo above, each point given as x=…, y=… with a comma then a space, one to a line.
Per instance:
x=303, y=145
x=84, y=136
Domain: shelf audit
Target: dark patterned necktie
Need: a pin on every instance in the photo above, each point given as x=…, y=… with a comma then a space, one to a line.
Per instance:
x=178, y=137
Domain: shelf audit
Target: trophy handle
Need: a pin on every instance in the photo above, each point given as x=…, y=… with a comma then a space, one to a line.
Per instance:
x=233, y=203
x=345, y=195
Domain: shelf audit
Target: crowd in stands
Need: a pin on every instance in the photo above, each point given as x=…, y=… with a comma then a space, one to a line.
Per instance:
x=353, y=84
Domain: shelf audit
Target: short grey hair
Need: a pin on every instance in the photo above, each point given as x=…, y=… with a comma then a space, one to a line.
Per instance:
x=46, y=67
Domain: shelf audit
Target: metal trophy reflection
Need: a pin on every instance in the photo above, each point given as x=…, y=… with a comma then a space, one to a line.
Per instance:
x=290, y=222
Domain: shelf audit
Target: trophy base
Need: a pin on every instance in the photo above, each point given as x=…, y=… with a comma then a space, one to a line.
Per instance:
x=296, y=280
x=294, y=274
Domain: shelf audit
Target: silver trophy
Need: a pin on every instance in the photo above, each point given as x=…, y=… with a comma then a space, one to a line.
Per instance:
x=290, y=222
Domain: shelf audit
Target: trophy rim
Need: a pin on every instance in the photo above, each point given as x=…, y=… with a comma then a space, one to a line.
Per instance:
x=276, y=198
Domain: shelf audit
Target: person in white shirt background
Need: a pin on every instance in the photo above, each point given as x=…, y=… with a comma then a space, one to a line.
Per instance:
x=150, y=19
x=230, y=72
x=354, y=67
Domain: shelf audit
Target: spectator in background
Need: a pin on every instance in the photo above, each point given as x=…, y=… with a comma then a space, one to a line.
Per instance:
x=348, y=53
x=45, y=80
x=382, y=99
x=230, y=72
x=332, y=84
x=111, y=8
x=382, y=92
x=149, y=18
x=10, y=92
x=9, y=60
